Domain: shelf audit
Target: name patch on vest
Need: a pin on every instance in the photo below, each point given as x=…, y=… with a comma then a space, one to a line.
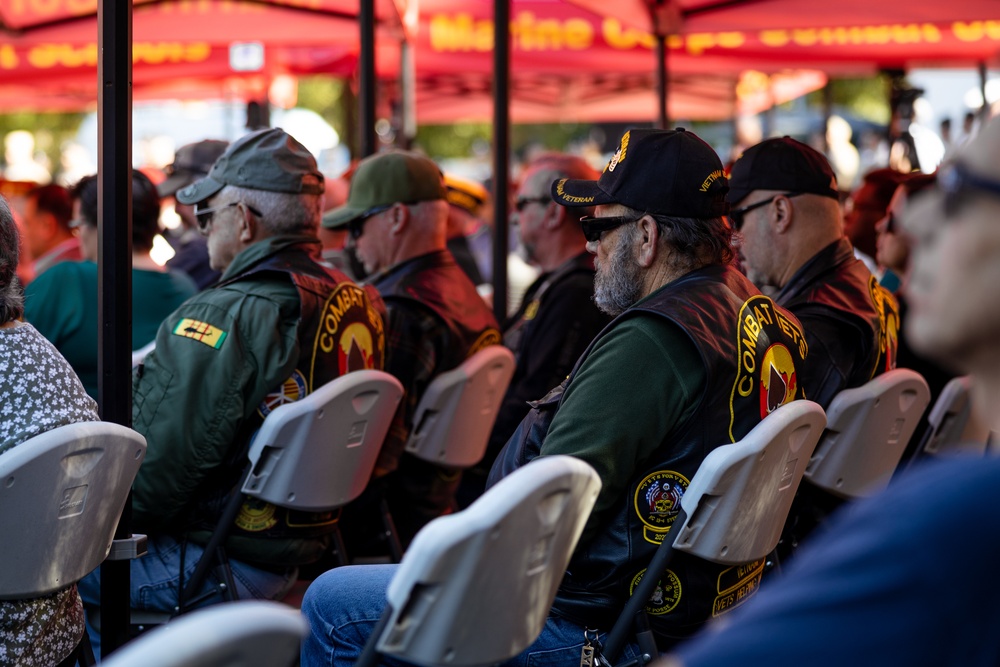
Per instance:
x=766, y=370
x=666, y=596
x=658, y=502
x=350, y=328
x=202, y=332
x=736, y=585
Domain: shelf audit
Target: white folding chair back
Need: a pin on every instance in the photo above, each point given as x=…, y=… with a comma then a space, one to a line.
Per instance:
x=317, y=453
x=61, y=494
x=475, y=587
x=738, y=501
x=867, y=429
x=954, y=429
x=240, y=634
x=453, y=421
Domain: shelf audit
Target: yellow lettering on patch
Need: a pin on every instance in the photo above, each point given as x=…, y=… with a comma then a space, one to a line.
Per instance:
x=201, y=332
x=712, y=178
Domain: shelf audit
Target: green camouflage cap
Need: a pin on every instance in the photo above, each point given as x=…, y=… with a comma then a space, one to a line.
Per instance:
x=268, y=159
x=386, y=179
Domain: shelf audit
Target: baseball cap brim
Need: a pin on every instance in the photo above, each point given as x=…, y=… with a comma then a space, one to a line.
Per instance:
x=341, y=217
x=199, y=191
x=174, y=182
x=574, y=192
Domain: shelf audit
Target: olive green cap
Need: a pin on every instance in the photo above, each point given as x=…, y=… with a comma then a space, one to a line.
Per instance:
x=386, y=179
x=269, y=159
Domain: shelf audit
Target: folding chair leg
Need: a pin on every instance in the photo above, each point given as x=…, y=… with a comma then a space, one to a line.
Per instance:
x=369, y=656
x=339, y=547
x=391, y=536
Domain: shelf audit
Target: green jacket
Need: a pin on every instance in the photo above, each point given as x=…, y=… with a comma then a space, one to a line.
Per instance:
x=202, y=392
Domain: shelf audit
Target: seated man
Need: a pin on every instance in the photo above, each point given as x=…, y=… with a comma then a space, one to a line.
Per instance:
x=277, y=325
x=396, y=215
x=48, y=237
x=557, y=318
x=859, y=594
x=696, y=357
x=791, y=237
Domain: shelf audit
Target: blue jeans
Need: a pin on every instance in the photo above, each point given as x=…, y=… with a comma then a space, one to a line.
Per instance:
x=156, y=576
x=343, y=606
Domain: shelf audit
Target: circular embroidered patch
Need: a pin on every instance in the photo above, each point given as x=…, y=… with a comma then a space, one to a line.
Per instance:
x=666, y=596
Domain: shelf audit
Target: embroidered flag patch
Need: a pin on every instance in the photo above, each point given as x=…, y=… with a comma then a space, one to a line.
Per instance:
x=201, y=332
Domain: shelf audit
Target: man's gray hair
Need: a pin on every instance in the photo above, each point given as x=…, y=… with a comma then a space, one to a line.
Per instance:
x=557, y=166
x=11, y=296
x=280, y=212
x=697, y=242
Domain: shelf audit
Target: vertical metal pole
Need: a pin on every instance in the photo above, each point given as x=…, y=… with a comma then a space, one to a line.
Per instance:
x=366, y=78
x=408, y=88
x=827, y=112
x=984, y=111
x=501, y=153
x=114, y=280
x=663, y=118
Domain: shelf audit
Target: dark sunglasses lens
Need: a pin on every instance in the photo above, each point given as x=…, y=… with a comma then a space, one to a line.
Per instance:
x=203, y=219
x=737, y=219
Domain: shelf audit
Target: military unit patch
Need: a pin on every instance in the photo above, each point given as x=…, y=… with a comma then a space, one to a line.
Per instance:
x=201, y=332
x=658, y=502
x=666, y=596
x=291, y=390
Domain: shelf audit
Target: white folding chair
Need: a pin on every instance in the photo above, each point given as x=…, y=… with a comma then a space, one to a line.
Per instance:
x=511, y=545
x=867, y=429
x=313, y=455
x=454, y=418
x=734, y=509
x=61, y=495
x=248, y=633
x=952, y=428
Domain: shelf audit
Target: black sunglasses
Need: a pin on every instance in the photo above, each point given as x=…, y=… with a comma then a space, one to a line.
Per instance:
x=956, y=179
x=203, y=216
x=594, y=227
x=356, y=227
x=521, y=202
x=737, y=214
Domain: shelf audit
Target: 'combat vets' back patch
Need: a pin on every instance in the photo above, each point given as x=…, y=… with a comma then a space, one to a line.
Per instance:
x=202, y=332
x=666, y=595
x=658, y=502
x=766, y=369
x=489, y=337
x=351, y=329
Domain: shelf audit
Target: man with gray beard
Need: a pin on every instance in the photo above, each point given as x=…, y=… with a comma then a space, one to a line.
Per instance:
x=695, y=358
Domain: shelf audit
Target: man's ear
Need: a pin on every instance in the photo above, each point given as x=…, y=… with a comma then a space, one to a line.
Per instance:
x=555, y=216
x=783, y=215
x=649, y=237
x=248, y=225
x=400, y=219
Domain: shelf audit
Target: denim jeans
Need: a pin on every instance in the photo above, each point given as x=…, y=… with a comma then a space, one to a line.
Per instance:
x=343, y=606
x=155, y=579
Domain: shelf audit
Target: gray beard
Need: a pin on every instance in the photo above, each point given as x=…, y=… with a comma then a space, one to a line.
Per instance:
x=616, y=284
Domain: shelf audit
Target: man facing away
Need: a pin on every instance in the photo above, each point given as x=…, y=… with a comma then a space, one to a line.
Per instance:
x=396, y=215
x=694, y=359
x=265, y=335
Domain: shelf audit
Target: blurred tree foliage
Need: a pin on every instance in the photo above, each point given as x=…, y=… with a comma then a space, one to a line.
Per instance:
x=51, y=131
x=867, y=97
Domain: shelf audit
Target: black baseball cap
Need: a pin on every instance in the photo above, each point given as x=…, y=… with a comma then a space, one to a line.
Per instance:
x=191, y=162
x=664, y=172
x=269, y=159
x=782, y=164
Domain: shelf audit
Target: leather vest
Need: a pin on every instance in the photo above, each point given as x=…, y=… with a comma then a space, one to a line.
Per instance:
x=752, y=351
x=436, y=282
x=339, y=331
x=835, y=280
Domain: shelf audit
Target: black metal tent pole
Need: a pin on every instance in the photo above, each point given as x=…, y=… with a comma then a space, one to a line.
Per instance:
x=114, y=281
x=501, y=153
x=984, y=110
x=662, y=83
x=366, y=78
